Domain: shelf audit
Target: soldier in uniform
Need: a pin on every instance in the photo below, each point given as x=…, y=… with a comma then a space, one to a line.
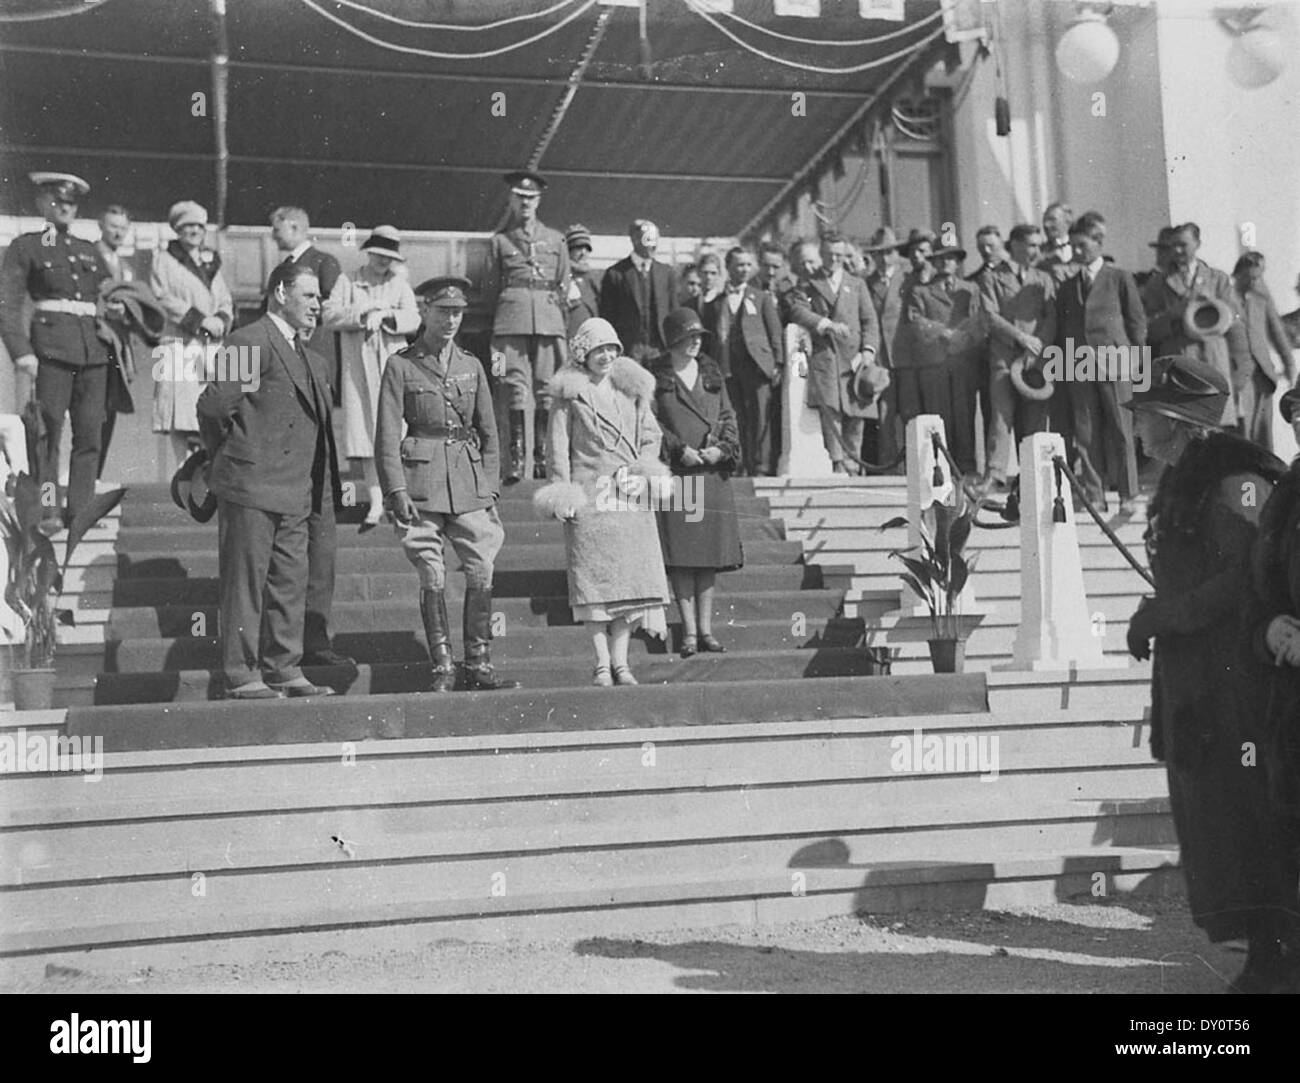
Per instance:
x=441, y=481
x=529, y=276
x=61, y=274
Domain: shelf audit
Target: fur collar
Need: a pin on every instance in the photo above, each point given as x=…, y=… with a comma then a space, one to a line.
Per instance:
x=626, y=375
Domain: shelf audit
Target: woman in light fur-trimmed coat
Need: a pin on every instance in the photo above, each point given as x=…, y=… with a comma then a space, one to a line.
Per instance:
x=606, y=478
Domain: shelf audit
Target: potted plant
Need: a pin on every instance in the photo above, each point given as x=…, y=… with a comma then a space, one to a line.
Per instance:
x=937, y=570
x=30, y=616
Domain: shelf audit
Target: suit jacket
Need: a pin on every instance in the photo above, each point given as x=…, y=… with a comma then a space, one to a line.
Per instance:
x=1059, y=269
x=528, y=276
x=760, y=329
x=1263, y=328
x=830, y=368
x=327, y=268
x=272, y=444
x=441, y=471
x=1016, y=308
x=931, y=310
x=583, y=301
x=1110, y=315
x=1164, y=298
x=623, y=304
x=887, y=296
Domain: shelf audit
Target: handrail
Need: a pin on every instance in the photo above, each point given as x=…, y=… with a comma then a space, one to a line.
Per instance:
x=1060, y=463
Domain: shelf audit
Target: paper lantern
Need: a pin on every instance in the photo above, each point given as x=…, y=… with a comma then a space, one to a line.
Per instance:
x=1256, y=57
x=1088, y=50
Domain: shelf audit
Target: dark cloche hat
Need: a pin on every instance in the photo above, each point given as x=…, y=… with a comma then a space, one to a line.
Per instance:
x=681, y=324
x=1186, y=389
x=447, y=291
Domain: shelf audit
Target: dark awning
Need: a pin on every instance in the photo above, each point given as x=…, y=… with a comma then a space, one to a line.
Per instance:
x=358, y=133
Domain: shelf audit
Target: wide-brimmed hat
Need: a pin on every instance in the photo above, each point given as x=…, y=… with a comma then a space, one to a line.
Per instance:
x=590, y=334
x=1030, y=381
x=385, y=241
x=883, y=240
x=186, y=213
x=948, y=252
x=870, y=382
x=681, y=324
x=1186, y=389
x=915, y=237
x=1288, y=404
x=192, y=471
x=1162, y=238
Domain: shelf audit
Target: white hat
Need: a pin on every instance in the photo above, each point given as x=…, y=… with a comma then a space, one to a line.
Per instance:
x=67, y=186
x=592, y=333
x=185, y=213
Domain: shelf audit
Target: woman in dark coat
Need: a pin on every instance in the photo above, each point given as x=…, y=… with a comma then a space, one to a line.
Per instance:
x=699, y=531
x=1208, y=691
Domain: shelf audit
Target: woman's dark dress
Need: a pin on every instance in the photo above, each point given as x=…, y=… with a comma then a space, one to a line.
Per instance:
x=699, y=417
x=1209, y=691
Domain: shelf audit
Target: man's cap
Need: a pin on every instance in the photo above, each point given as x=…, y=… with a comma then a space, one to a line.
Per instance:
x=681, y=324
x=385, y=241
x=67, y=187
x=883, y=240
x=918, y=236
x=186, y=212
x=1186, y=389
x=642, y=226
x=948, y=252
x=523, y=182
x=1162, y=238
x=448, y=291
x=577, y=235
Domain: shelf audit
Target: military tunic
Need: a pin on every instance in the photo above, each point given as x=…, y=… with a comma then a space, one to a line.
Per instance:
x=62, y=275
x=448, y=462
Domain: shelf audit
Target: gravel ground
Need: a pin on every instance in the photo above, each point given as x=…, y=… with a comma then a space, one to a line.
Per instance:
x=1139, y=946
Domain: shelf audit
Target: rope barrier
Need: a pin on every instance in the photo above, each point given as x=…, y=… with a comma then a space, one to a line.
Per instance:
x=973, y=494
x=1064, y=467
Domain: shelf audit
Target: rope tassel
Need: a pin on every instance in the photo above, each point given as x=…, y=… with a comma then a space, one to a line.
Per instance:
x=936, y=478
x=1058, y=505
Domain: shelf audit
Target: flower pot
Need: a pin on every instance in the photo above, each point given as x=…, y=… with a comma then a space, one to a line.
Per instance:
x=948, y=655
x=33, y=689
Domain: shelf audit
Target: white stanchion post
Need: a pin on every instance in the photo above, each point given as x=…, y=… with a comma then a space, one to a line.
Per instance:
x=923, y=493
x=1056, y=626
x=803, y=452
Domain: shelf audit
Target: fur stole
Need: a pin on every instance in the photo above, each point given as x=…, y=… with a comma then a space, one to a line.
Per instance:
x=625, y=375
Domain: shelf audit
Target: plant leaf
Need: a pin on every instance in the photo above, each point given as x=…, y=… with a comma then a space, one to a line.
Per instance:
x=66, y=617
x=921, y=590
x=959, y=535
x=87, y=517
x=960, y=573
x=894, y=523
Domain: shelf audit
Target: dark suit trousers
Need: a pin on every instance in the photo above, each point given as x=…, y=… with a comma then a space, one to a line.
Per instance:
x=322, y=548
x=82, y=392
x=1103, y=437
x=1255, y=404
x=947, y=390
x=751, y=396
x=263, y=564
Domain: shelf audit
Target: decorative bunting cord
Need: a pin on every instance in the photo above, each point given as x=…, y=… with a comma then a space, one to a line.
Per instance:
x=704, y=14
x=450, y=26
x=834, y=44
x=486, y=54
x=59, y=13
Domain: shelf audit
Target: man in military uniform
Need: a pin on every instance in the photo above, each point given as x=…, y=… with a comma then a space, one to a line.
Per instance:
x=442, y=481
x=529, y=276
x=61, y=274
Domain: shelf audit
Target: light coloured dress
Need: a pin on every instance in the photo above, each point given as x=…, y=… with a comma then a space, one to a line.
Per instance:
x=188, y=292
x=365, y=354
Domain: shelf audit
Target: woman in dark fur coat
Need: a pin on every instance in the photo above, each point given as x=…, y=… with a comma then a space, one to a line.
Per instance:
x=1208, y=690
x=700, y=534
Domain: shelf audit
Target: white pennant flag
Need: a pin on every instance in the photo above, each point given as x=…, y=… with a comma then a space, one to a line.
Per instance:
x=881, y=9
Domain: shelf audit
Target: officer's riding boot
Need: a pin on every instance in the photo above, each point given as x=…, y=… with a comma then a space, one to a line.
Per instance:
x=437, y=630
x=517, y=463
x=539, y=451
x=479, y=673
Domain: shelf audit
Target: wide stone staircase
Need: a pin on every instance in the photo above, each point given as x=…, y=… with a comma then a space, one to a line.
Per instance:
x=769, y=783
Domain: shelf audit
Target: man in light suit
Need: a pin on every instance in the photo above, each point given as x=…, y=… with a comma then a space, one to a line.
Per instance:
x=1261, y=327
x=836, y=310
x=274, y=465
x=1100, y=306
x=1166, y=298
x=746, y=329
x=637, y=293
